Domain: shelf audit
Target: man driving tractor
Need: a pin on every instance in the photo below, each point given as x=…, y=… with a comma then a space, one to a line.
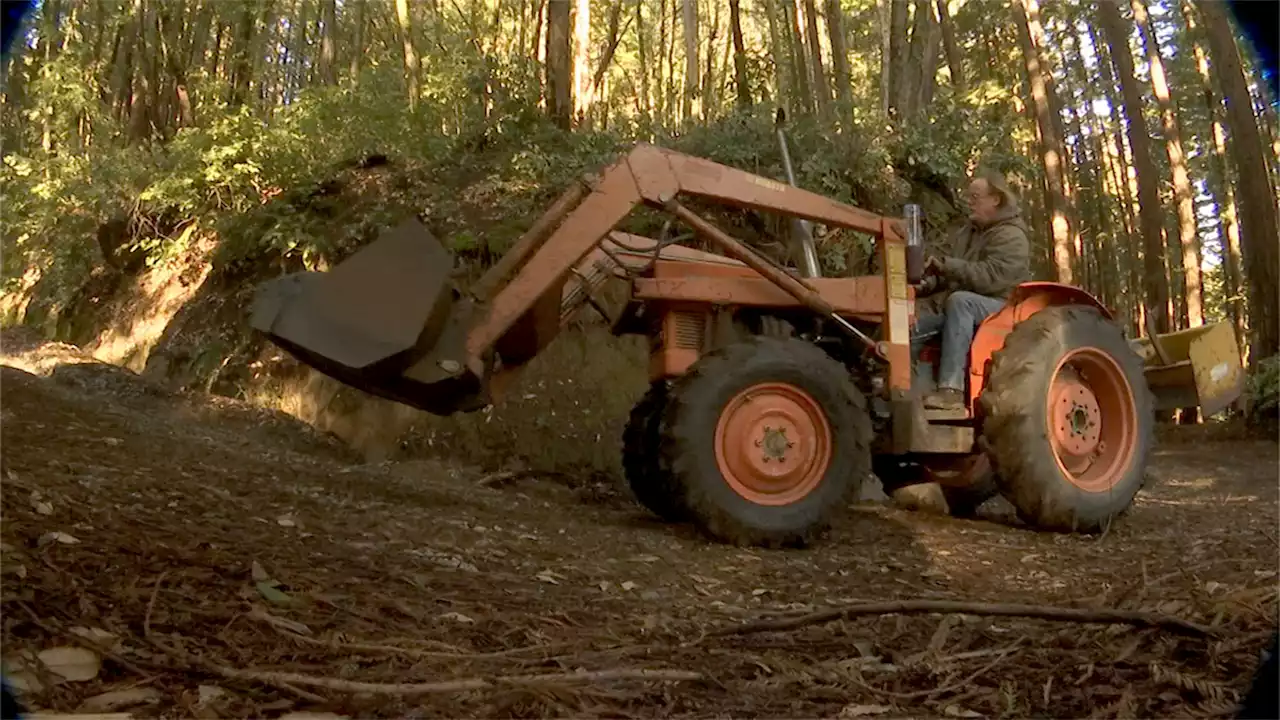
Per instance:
x=990, y=256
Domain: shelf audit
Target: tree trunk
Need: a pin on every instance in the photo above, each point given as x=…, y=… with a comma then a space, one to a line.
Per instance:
x=928, y=77
x=645, y=102
x=581, y=60
x=897, y=53
x=910, y=72
x=327, y=65
x=1187, y=236
x=1220, y=186
x=673, y=91
x=800, y=64
x=691, y=106
x=776, y=54
x=1149, y=212
x=559, y=62
x=539, y=40
x=821, y=86
x=740, y=78
x=410, y=53
x=1051, y=153
x=709, y=97
x=597, y=87
x=357, y=9
x=883, y=17
x=660, y=77
x=839, y=53
x=955, y=61
x=1258, y=231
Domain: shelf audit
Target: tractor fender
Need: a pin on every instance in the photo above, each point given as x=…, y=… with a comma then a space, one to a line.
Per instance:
x=1025, y=300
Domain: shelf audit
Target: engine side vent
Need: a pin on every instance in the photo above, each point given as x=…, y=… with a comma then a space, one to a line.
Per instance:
x=686, y=330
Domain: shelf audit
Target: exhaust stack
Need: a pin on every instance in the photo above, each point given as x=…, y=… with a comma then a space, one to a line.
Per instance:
x=801, y=230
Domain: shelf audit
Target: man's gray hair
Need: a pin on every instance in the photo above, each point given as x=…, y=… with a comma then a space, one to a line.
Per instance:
x=998, y=186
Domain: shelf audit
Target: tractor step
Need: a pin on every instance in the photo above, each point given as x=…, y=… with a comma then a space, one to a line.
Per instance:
x=933, y=415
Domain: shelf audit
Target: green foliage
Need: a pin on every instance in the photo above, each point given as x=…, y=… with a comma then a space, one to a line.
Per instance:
x=280, y=186
x=1262, y=389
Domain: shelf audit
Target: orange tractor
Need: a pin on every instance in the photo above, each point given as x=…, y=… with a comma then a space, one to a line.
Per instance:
x=774, y=392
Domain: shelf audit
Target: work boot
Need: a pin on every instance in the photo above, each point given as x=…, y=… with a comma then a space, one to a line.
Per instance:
x=944, y=399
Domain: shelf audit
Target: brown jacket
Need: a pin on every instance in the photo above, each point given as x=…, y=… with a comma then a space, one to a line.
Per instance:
x=989, y=260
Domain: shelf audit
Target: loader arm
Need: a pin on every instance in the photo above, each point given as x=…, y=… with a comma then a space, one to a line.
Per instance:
x=658, y=177
x=388, y=321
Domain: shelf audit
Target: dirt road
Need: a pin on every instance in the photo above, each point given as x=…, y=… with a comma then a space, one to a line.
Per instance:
x=208, y=547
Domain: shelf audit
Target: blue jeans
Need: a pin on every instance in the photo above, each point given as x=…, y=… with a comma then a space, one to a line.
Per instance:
x=958, y=322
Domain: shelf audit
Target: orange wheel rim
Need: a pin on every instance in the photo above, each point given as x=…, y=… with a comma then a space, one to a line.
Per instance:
x=773, y=444
x=1092, y=419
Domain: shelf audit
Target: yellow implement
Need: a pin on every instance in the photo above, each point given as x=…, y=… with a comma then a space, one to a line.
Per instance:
x=1199, y=367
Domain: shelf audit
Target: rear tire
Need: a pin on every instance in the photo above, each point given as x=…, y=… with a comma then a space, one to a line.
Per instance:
x=649, y=482
x=1068, y=420
x=734, y=409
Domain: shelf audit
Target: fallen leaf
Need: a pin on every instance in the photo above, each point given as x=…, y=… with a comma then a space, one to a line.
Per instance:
x=209, y=693
x=24, y=682
x=269, y=593
x=267, y=586
x=40, y=505
x=547, y=576
x=628, y=585
x=291, y=625
x=118, y=699
x=97, y=635
x=457, y=617
x=603, y=585
x=286, y=521
x=74, y=664
x=959, y=712
x=57, y=536
x=849, y=711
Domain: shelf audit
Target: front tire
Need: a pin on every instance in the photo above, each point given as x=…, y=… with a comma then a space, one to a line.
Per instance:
x=1068, y=420
x=649, y=482
x=767, y=438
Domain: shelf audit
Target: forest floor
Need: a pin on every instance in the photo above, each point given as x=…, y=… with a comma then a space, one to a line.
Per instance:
x=226, y=561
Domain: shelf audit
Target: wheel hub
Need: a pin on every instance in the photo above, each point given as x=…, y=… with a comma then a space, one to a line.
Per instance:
x=773, y=443
x=1091, y=419
x=1078, y=423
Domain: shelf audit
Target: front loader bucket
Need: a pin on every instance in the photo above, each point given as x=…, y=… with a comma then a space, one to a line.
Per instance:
x=1199, y=367
x=385, y=320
